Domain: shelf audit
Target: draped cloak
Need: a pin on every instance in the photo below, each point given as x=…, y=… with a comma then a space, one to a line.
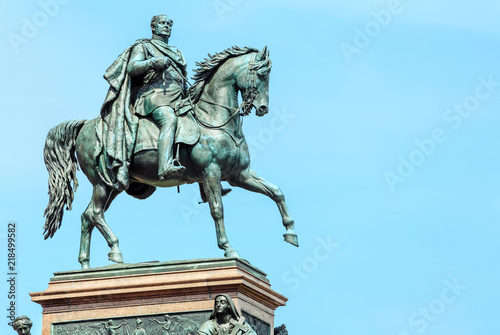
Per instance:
x=210, y=327
x=116, y=127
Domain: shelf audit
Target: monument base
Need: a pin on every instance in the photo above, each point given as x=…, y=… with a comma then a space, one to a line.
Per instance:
x=122, y=296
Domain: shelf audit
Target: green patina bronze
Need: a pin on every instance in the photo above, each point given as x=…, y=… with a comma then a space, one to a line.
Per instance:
x=154, y=132
x=22, y=325
x=225, y=319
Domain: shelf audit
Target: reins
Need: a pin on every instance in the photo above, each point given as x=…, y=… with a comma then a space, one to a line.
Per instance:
x=209, y=125
x=242, y=110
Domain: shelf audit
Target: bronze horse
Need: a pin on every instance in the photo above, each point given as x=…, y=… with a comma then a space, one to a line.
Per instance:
x=220, y=154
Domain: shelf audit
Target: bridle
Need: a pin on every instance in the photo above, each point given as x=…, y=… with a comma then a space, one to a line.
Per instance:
x=250, y=88
x=246, y=105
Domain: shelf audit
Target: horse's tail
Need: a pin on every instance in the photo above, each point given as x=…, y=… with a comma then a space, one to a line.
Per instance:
x=61, y=163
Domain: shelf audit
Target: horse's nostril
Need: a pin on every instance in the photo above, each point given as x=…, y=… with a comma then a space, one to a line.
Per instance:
x=263, y=110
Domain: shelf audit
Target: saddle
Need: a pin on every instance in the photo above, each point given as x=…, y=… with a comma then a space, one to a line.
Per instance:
x=187, y=132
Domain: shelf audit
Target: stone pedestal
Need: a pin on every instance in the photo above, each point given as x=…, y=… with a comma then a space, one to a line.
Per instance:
x=86, y=301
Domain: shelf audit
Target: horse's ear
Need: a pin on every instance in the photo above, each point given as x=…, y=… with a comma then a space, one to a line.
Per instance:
x=263, y=53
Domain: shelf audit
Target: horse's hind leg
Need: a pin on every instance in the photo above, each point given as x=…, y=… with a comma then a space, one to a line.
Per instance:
x=84, y=256
x=102, y=196
x=212, y=189
x=251, y=181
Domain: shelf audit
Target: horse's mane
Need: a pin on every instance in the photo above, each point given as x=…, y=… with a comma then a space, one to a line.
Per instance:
x=208, y=67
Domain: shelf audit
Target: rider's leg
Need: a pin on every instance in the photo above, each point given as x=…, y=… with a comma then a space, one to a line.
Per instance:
x=166, y=119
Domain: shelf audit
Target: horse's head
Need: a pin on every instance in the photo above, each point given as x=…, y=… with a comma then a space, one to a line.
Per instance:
x=253, y=82
x=220, y=77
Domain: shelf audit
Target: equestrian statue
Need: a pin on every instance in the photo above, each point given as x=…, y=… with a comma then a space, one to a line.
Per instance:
x=153, y=131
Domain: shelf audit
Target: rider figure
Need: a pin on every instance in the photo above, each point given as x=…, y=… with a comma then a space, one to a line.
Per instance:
x=157, y=71
x=157, y=89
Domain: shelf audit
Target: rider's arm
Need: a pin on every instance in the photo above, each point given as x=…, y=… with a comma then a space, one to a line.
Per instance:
x=139, y=65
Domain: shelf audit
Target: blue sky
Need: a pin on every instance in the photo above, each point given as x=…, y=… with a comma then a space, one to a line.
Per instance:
x=387, y=152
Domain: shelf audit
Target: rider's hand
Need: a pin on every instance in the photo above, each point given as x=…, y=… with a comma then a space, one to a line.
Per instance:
x=160, y=63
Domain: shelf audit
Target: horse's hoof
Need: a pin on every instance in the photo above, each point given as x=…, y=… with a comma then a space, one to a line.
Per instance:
x=292, y=239
x=85, y=265
x=115, y=257
x=232, y=253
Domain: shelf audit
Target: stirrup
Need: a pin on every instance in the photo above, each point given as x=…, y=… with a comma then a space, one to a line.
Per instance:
x=177, y=163
x=171, y=170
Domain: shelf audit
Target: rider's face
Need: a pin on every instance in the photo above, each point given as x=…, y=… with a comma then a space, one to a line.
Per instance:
x=163, y=26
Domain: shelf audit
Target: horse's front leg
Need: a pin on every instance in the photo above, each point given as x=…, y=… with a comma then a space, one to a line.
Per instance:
x=249, y=180
x=211, y=186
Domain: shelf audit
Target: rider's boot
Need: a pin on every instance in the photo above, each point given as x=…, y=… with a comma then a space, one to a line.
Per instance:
x=167, y=166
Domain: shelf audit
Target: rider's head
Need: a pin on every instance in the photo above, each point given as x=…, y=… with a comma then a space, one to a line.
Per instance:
x=161, y=26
